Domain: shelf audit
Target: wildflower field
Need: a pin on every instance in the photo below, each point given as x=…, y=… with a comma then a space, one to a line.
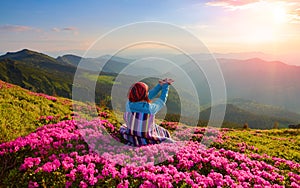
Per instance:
x=64, y=151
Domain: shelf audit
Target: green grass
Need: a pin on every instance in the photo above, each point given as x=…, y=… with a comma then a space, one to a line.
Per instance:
x=101, y=79
x=20, y=111
x=282, y=143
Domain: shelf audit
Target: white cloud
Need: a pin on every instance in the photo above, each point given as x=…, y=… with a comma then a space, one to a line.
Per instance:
x=66, y=29
x=15, y=28
x=232, y=4
x=55, y=29
x=69, y=29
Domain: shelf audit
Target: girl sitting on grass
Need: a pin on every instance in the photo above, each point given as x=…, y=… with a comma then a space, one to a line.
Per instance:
x=140, y=128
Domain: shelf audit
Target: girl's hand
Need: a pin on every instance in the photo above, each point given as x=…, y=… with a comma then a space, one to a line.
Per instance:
x=161, y=82
x=169, y=81
x=166, y=81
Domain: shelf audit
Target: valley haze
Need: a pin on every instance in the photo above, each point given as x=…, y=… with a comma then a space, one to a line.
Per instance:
x=257, y=89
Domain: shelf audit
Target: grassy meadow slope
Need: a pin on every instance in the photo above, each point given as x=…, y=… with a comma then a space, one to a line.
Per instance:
x=282, y=143
x=22, y=111
x=42, y=146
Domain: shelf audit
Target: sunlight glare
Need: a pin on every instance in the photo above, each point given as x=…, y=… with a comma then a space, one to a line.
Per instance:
x=262, y=34
x=279, y=15
x=265, y=23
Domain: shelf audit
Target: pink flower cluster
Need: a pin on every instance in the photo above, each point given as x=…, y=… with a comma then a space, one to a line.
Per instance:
x=169, y=125
x=87, y=156
x=5, y=85
x=243, y=147
x=204, y=135
x=43, y=120
x=54, y=99
x=103, y=114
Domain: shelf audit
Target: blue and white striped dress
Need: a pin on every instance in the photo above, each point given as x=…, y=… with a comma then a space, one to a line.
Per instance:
x=140, y=129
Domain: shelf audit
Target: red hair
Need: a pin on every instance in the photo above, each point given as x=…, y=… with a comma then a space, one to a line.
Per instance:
x=138, y=92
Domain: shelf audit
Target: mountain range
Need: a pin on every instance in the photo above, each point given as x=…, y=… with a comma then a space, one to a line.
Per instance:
x=273, y=83
x=236, y=114
x=264, y=91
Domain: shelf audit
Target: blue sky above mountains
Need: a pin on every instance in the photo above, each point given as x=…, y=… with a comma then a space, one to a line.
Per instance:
x=59, y=27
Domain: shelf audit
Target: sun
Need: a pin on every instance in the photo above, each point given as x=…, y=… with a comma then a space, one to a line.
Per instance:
x=279, y=15
x=264, y=23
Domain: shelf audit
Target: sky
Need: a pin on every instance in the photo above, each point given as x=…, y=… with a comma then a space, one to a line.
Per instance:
x=224, y=26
